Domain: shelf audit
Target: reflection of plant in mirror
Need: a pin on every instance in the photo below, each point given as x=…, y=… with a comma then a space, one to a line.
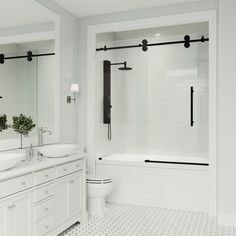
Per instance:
x=22, y=125
x=3, y=122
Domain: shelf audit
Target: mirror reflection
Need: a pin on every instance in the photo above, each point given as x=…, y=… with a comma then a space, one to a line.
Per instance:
x=28, y=85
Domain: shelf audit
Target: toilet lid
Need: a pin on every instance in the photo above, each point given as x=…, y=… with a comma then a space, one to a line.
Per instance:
x=96, y=179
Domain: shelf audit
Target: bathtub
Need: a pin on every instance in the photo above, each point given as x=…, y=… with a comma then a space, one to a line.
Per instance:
x=160, y=181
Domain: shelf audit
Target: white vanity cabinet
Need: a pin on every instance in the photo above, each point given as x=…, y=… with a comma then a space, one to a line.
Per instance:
x=44, y=202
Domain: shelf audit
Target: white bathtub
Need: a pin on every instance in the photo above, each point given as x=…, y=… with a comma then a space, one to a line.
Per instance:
x=179, y=183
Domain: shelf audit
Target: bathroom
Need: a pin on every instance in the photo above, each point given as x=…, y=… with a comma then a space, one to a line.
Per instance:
x=117, y=118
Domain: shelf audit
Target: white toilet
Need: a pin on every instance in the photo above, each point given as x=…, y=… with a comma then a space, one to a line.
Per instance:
x=98, y=187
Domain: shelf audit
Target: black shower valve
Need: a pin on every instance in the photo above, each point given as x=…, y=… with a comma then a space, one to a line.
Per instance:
x=144, y=45
x=29, y=56
x=2, y=58
x=187, y=41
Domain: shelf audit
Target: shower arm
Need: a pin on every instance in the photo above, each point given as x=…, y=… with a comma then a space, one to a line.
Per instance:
x=121, y=63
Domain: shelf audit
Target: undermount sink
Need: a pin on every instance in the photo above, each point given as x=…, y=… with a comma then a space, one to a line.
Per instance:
x=57, y=150
x=10, y=160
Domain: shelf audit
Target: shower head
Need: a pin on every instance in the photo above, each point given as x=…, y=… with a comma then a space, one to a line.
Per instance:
x=125, y=67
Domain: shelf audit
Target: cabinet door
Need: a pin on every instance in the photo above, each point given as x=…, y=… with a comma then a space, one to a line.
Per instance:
x=18, y=220
x=69, y=196
x=75, y=193
x=62, y=200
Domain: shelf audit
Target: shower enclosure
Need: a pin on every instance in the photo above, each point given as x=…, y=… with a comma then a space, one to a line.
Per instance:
x=161, y=106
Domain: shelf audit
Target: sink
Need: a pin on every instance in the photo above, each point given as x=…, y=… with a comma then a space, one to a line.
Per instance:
x=57, y=150
x=10, y=160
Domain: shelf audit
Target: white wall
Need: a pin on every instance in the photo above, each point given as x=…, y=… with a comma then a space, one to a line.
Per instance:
x=69, y=49
x=227, y=111
x=47, y=91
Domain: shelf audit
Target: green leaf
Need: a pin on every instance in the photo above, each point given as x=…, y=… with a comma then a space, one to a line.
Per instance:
x=3, y=122
x=23, y=124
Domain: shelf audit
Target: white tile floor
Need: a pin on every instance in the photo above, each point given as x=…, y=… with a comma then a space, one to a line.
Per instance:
x=130, y=220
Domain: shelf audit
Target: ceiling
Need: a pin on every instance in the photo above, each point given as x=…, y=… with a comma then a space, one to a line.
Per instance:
x=82, y=8
x=16, y=13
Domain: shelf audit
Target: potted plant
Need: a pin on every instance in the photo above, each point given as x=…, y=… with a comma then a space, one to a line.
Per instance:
x=3, y=122
x=22, y=125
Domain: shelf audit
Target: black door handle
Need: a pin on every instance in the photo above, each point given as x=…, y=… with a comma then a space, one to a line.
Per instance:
x=191, y=106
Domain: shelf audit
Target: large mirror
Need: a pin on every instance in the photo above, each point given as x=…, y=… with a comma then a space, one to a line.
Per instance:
x=29, y=82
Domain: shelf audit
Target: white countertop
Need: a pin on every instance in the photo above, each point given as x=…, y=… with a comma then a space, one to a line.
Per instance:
x=27, y=168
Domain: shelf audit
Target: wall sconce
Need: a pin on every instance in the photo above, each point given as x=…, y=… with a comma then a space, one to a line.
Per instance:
x=75, y=89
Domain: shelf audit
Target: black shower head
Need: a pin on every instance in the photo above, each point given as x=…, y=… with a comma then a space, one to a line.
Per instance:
x=125, y=67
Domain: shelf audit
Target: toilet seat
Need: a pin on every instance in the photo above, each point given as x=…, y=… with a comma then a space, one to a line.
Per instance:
x=93, y=179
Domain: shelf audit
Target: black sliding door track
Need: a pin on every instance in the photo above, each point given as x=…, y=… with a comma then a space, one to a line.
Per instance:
x=144, y=45
x=177, y=163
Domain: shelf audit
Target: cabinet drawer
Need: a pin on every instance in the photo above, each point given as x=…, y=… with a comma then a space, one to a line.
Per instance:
x=69, y=168
x=44, y=176
x=45, y=226
x=15, y=185
x=44, y=192
x=44, y=209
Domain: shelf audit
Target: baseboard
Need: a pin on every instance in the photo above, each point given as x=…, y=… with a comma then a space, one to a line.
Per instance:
x=159, y=204
x=227, y=219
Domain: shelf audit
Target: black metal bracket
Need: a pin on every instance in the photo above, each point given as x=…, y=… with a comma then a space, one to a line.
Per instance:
x=29, y=56
x=186, y=41
x=144, y=45
x=2, y=58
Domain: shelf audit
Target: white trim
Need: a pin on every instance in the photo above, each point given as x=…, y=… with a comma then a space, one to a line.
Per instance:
x=213, y=114
x=227, y=219
x=205, y=16
x=91, y=100
x=58, y=121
